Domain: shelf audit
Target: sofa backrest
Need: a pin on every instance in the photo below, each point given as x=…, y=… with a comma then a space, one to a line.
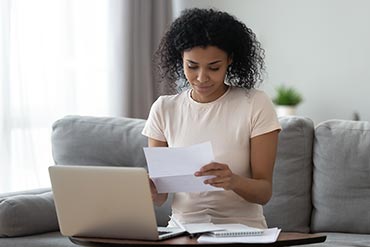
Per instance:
x=80, y=140
x=290, y=206
x=98, y=141
x=103, y=141
x=341, y=181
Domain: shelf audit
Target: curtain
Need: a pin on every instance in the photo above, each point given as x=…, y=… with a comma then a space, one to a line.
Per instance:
x=53, y=61
x=136, y=27
x=4, y=90
x=67, y=57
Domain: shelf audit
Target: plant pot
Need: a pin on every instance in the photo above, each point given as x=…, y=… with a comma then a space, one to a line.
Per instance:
x=285, y=110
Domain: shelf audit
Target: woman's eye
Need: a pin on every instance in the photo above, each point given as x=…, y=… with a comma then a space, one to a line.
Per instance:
x=192, y=67
x=214, y=69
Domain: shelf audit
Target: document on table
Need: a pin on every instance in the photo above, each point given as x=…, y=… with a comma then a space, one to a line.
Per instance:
x=196, y=228
x=172, y=168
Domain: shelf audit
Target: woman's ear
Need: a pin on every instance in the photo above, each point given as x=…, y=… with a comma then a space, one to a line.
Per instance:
x=229, y=60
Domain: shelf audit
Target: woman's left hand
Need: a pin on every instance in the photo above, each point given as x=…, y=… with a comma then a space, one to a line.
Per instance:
x=224, y=177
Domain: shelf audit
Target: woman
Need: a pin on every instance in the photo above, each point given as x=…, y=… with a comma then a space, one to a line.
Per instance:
x=221, y=61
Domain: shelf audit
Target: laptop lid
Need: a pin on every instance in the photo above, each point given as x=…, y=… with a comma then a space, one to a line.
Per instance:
x=104, y=202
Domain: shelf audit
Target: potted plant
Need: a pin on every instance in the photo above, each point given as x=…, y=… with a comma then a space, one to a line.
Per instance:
x=286, y=100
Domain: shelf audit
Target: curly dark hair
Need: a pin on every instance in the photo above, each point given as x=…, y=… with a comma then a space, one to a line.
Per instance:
x=204, y=27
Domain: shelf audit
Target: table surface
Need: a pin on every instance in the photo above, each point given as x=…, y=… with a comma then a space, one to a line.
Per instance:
x=285, y=239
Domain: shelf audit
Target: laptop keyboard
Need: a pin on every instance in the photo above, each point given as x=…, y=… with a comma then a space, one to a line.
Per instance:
x=163, y=232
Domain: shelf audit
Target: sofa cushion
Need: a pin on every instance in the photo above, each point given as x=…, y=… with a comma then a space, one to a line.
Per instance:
x=27, y=213
x=336, y=239
x=341, y=178
x=290, y=206
x=107, y=141
x=50, y=239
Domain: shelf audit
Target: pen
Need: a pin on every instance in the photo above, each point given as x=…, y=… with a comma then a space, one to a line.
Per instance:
x=195, y=235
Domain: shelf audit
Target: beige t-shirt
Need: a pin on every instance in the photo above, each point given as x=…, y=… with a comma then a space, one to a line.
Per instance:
x=228, y=123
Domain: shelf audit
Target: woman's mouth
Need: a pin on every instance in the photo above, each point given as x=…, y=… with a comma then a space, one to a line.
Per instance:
x=202, y=88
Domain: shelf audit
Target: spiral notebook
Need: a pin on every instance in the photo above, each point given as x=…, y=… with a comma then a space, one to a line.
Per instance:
x=235, y=230
x=269, y=235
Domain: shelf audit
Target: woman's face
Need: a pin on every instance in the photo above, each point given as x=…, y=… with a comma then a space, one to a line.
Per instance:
x=205, y=69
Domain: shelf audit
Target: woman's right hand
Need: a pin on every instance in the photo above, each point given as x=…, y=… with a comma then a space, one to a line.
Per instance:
x=158, y=198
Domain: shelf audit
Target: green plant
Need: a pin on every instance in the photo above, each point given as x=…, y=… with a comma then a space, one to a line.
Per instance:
x=287, y=96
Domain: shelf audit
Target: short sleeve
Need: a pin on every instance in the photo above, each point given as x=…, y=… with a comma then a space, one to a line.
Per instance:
x=154, y=126
x=264, y=118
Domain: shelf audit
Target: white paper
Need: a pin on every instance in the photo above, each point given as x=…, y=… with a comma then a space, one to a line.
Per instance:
x=192, y=229
x=202, y=227
x=269, y=236
x=195, y=228
x=172, y=169
x=185, y=183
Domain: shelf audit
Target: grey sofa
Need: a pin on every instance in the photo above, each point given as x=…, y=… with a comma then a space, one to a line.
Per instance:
x=321, y=178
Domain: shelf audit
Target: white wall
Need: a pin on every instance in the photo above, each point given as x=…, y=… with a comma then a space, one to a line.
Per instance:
x=321, y=47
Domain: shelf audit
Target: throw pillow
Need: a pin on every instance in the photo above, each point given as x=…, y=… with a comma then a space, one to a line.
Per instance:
x=341, y=180
x=27, y=213
x=290, y=206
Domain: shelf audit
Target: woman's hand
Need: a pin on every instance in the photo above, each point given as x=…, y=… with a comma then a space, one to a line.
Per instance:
x=258, y=187
x=153, y=189
x=224, y=178
x=158, y=198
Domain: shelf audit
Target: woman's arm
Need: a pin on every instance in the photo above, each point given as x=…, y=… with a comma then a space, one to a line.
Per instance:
x=158, y=198
x=258, y=188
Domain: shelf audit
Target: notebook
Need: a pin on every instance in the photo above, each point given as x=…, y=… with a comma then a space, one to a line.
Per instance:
x=236, y=230
x=269, y=235
x=105, y=202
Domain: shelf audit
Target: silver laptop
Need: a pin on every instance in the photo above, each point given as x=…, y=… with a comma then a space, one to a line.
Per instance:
x=105, y=202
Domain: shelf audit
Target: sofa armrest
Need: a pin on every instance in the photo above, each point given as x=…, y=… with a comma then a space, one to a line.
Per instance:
x=27, y=212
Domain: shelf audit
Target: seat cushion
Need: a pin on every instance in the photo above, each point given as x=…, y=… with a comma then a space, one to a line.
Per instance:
x=54, y=239
x=341, y=177
x=336, y=239
x=290, y=206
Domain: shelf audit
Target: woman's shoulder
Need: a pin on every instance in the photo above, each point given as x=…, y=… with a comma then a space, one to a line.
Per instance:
x=168, y=100
x=172, y=97
x=250, y=94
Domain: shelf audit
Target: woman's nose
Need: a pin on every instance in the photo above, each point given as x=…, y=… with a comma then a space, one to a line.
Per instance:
x=202, y=76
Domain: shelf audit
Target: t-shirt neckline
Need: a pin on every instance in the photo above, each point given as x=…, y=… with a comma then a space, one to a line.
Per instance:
x=208, y=103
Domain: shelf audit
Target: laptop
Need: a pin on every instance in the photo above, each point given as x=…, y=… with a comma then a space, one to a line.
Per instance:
x=105, y=202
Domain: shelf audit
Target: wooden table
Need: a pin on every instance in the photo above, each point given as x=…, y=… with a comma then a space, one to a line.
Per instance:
x=285, y=239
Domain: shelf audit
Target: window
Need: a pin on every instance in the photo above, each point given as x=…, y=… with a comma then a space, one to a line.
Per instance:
x=53, y=63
